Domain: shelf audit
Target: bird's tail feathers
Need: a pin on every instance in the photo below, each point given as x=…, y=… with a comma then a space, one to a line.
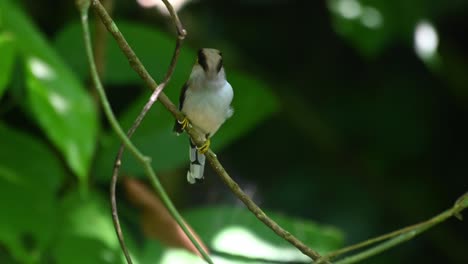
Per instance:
x=197, y=164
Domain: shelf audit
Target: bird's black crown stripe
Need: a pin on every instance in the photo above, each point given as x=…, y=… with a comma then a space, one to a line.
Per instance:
x=202, y=60
x=220, y=65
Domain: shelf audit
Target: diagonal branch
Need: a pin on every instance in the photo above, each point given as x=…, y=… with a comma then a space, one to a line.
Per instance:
x=136, y=64
x=396, y=237
x=134, y=61
x=145, y=161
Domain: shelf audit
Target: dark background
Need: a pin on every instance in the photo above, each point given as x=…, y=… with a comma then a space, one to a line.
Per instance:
x=367, y=136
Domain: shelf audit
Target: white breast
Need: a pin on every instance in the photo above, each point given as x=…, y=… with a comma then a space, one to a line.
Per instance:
x=208, y=108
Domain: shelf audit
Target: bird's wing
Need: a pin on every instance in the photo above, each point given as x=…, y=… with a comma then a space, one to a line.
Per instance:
x=177, y=125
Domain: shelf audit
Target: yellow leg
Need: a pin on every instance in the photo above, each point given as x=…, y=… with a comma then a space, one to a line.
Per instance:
x=184, y=123
x=203, y=149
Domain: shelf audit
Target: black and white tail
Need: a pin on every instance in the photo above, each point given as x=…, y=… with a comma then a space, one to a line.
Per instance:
x=197, y=165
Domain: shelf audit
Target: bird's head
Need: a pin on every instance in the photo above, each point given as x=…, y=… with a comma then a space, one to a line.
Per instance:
x=209, y=65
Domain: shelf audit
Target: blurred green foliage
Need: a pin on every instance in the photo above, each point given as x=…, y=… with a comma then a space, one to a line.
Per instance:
x=7, y=53
x=85, y=226
x=337, y=119
x=30, y=176
x=55, y=96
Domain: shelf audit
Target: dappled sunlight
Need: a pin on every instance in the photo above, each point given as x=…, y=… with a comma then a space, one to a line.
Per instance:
x=108, y=256
x=179, y=255
x=349, y=9
x=43, y=71
x=371, y=17
x=241, y=241
x=177, y=4
x=60, y=103
x=40, y=69
x=368, y=16
x=426, y=40
x=172, y=256
x=237, y=240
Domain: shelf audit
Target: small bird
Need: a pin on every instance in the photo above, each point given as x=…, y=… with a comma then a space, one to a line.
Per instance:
x=205, y=100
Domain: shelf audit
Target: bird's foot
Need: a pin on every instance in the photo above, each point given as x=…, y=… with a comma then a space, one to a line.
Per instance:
x=204, y=148
x=185, y=123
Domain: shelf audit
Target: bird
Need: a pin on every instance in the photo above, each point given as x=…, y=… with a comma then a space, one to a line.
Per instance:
x=205, y=99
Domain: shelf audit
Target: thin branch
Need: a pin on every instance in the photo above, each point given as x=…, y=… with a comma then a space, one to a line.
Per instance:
x=110, y=116
x=381, y=247
x=145, y=161
x=135, y=63
x=398, y=236
x=180, y=29
x=100, y=41
x=196, y=136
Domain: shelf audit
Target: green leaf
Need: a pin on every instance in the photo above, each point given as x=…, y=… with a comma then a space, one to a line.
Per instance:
x=87, y=228
x=56, y=98
x=30, y=176
x=7, y=55
x=238, y=237
x=69, y=38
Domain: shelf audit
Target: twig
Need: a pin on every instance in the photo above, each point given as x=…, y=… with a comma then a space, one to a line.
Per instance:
x=83, y=7
x=135, y=63
x=100, y=41
x=398, y=236
x=175, y=18
x=196, y=136
x=145, y=161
